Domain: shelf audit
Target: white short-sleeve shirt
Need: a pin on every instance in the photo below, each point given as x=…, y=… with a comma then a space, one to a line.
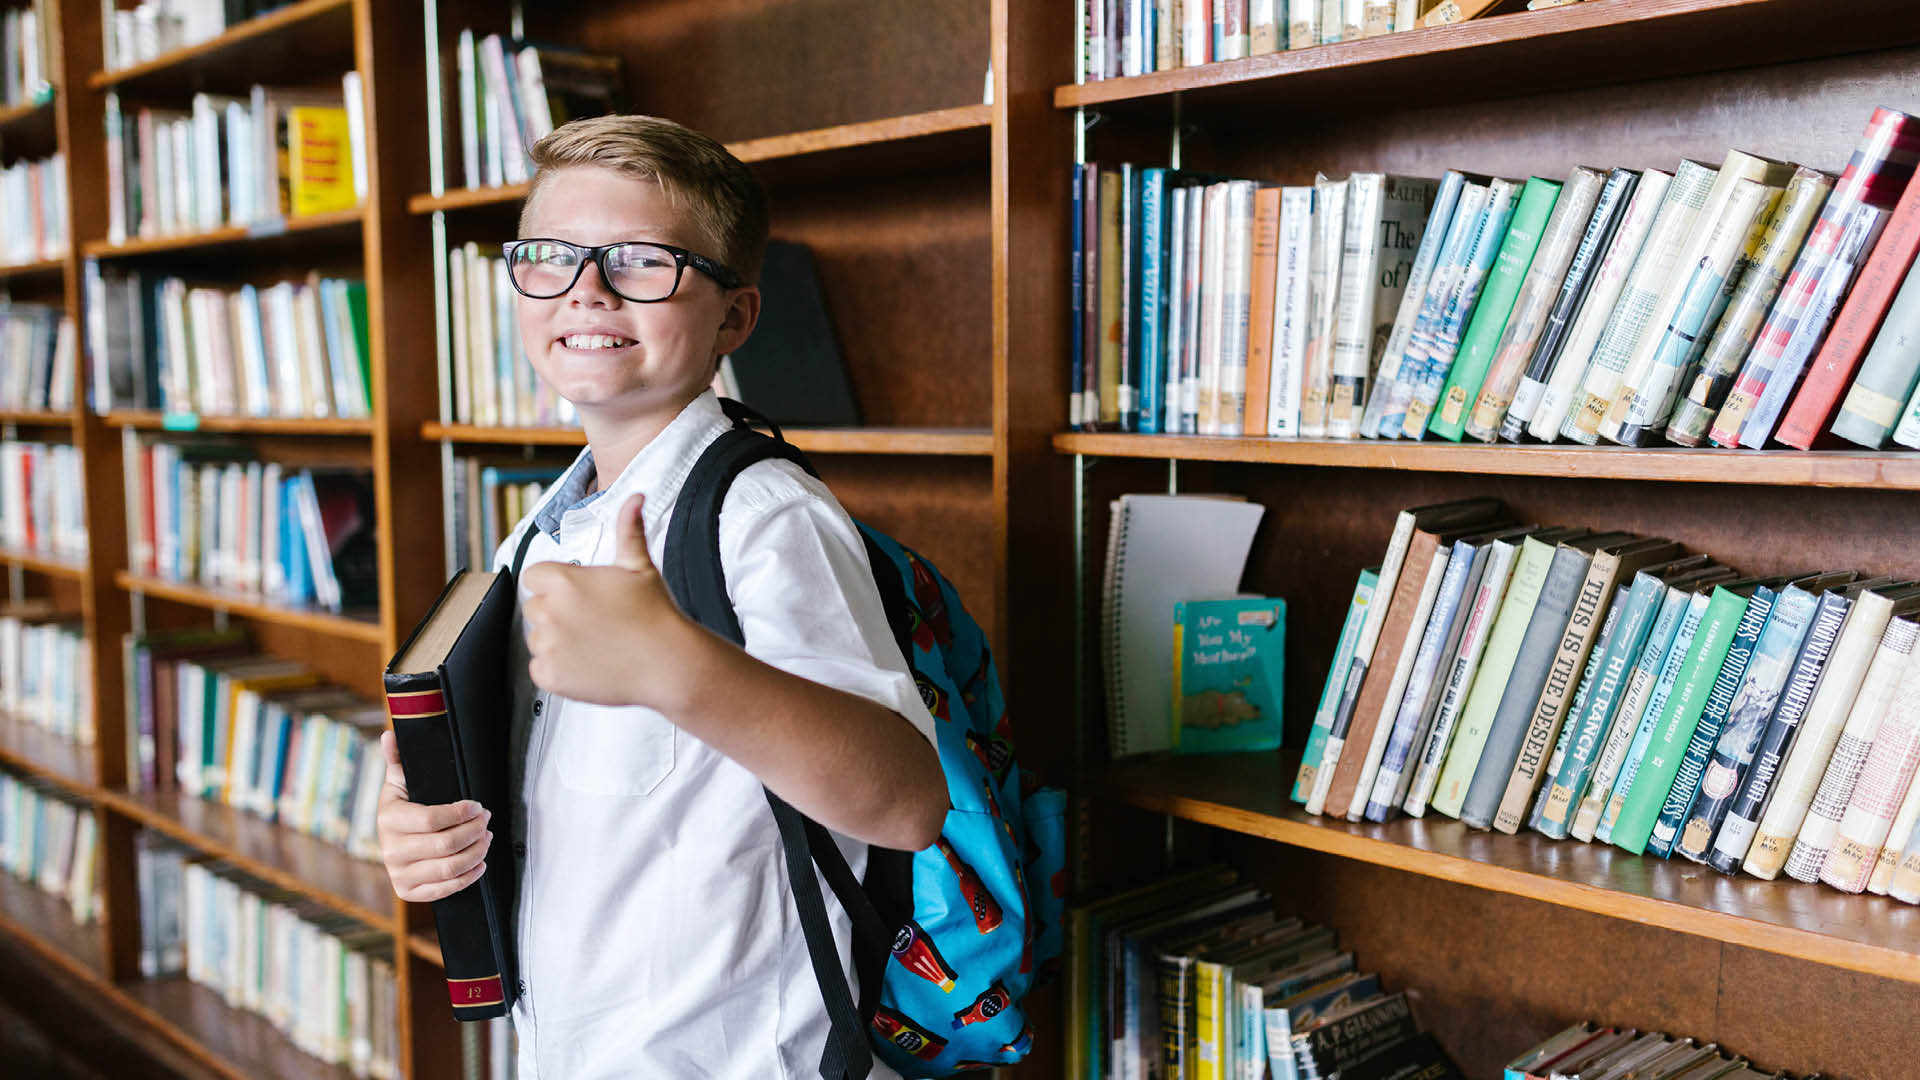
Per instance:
x=656, y=932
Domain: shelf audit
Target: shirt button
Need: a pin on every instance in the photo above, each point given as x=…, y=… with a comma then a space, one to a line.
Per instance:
x=536, y=706
x=520, y=848
x=520, y=986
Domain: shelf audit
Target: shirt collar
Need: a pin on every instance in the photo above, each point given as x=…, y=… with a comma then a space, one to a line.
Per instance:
x=658, y=470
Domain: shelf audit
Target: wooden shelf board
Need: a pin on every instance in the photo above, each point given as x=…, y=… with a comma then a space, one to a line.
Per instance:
x=238, y=1043
x=425, y=944
x=44, y=923
x=16, y=114
x=1509, y=55
x=312, y=33
x=310, y=227
x=1246, y=793
x=29, y=271
x=274, y=853
x=1868, y=469
x=959, y=442
x=155, y=420
x=27, y=131
x=34, y=749
x=892, y=144
x=41, y=562
x=36, y=418
x=356, y=628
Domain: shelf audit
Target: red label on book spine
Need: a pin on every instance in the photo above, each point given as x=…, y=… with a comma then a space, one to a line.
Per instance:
x=416, y=703
x=475, y=993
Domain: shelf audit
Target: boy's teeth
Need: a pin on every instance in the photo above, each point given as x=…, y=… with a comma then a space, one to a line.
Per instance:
x=594, y=341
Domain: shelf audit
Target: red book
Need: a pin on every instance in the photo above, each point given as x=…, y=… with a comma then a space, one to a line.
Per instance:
x=1834, y=366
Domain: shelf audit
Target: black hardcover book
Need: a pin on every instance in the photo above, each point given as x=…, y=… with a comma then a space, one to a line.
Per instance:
x=790, y=369
x=450, y=697
x=1416, y=1058
x=1345, y=1039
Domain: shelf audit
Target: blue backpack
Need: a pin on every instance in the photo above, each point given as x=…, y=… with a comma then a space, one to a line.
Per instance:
x=946, y=941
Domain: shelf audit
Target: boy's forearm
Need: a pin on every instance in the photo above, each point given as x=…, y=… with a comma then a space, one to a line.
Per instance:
x=854, y=766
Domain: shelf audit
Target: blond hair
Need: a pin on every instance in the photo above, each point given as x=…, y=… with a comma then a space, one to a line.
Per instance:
x=719, y=193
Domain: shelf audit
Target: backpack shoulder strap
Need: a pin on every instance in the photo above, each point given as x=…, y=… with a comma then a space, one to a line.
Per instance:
x=520, y=553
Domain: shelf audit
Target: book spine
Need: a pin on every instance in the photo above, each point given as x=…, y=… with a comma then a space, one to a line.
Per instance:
x=1111, y=282
x=1593, y=724
x=1442, y=285
x=1127, y=314
x=1660, y=689
x=1502, y=197
x=1231, y=396
x=1853, y=329
x=1260, y=323
x=1566, y=227
x=1609, y=207
x=1887, y=860
x=1480, y=615
x=1215, y=291
x=1706, y=733
x=1589, y=675
x=1646, y=402
x=1532, y=667
x=1433, y=234
x=1492, y=313
x=1303, y=23
x=1490, y=682
x=1758, y=276
x=1904, y=883
x=1746, y=716
x=1852, y=217
x=1357, y=612
x=1329, y=233
x=1639, y=298
x=1738, y=837
x=1887, y=376
x=1290, y=310
x=1076, y=281
x=1178, y=273
x=1882, y=787
x=1149, y=338
x=1405, y=729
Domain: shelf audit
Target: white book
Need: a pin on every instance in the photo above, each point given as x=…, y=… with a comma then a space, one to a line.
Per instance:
x=1479, y=610
x=1176, y=315
x=1433, y=235
x=1196, y=34
x=1882, y=787
x=464, y=68
x=1323, y=277
x=354, y=101
x=1290, y=311
x=1190, y=299
x=1230, y=396
x=1888, y=859
x=312, y=349
x=1213, y=304
x=1597, y=306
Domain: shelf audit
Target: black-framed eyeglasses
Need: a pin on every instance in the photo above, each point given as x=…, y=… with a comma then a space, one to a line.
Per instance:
x=638, y=270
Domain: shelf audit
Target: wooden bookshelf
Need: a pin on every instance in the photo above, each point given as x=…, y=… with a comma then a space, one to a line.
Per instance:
x=38, y=752
x=45, y=563
x=898, y=441
x=31, y=272
x=294, y=861
x=425, y=944
x=234, y=1042
x=1247, y=793
x=350, y=627
x=155, y=420
x=303, y=36
x=289, y=234
x=1864, y=470
x=45, y=924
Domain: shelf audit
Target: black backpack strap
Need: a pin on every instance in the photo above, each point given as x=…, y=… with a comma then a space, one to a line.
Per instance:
x=694, y=575
x=520, y=553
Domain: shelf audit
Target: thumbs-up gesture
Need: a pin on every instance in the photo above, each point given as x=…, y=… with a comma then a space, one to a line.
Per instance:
x=610, y=635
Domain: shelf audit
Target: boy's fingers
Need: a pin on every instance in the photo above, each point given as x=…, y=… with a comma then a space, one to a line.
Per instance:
x=415, y=818
x=632, y=553
x=422, y=848
x=396, y=785
x=439, y=890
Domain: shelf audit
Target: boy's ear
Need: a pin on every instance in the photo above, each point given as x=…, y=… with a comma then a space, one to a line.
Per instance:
x=738, y=321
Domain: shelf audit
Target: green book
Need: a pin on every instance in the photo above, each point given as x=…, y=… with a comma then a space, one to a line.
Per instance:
x=1674, y=729
x=1336, y=680
x=1496, y=666
x=1496, y=303
x=1229, y=664
x=356, y=297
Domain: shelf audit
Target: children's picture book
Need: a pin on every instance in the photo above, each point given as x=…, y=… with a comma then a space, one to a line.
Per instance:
x=1229, y=663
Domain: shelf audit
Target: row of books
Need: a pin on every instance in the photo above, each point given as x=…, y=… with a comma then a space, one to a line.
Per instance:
x=212, y=718
x=493, y=382
x=45, y=670
x=1138, y=37
x=293, y=348
x=33, y=200
x=152, y=28
x=499, y=1060
x=42, y=509
x=26, y=55
x=512, y=93
x=1627, y=306
x=1197, y=976
x=200, y=512
x=324, y=980
x=1613, y=688
x=37, y=352
x=51, y=843
x=231, y=161
x=1592, y=1052
x=488, y=500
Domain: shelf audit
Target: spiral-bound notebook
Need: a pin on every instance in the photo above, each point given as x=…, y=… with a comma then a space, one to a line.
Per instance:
x=1161, y=549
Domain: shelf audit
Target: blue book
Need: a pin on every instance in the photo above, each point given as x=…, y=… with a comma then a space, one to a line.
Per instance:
x=1077, y=231
x=1706, y=733
x=1693, y=607
x=1149, y=332
x=1229, y=668
x=293, y=547
x=1330, y=692
x=1298, y=1013
x=1129, y=297
x=1595, y=658
x=1406, y=732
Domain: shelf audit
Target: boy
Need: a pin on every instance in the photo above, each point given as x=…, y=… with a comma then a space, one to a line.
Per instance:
x=656, y=934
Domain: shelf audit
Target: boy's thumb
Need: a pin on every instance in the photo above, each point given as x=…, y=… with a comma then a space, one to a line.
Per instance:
x=632, y=552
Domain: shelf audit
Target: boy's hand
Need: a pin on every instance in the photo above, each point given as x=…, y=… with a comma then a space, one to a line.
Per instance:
x=610, y=635
x=430, y=851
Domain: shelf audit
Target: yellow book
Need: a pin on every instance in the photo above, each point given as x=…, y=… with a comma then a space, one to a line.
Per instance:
x=319, y=160
x=1209, y=1028
x=242, y=731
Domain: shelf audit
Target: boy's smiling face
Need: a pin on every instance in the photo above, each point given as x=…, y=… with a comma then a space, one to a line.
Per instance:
x=616, y=360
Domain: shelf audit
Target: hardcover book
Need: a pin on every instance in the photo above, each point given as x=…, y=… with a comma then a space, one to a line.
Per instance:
x=1228, y=675
x=450, y=697
x=1443, y=282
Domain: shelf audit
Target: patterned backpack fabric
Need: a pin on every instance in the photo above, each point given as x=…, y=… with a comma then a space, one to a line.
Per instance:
x=946, y=941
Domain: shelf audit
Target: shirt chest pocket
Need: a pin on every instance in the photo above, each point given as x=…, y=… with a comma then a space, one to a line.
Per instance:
x=613, y=752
